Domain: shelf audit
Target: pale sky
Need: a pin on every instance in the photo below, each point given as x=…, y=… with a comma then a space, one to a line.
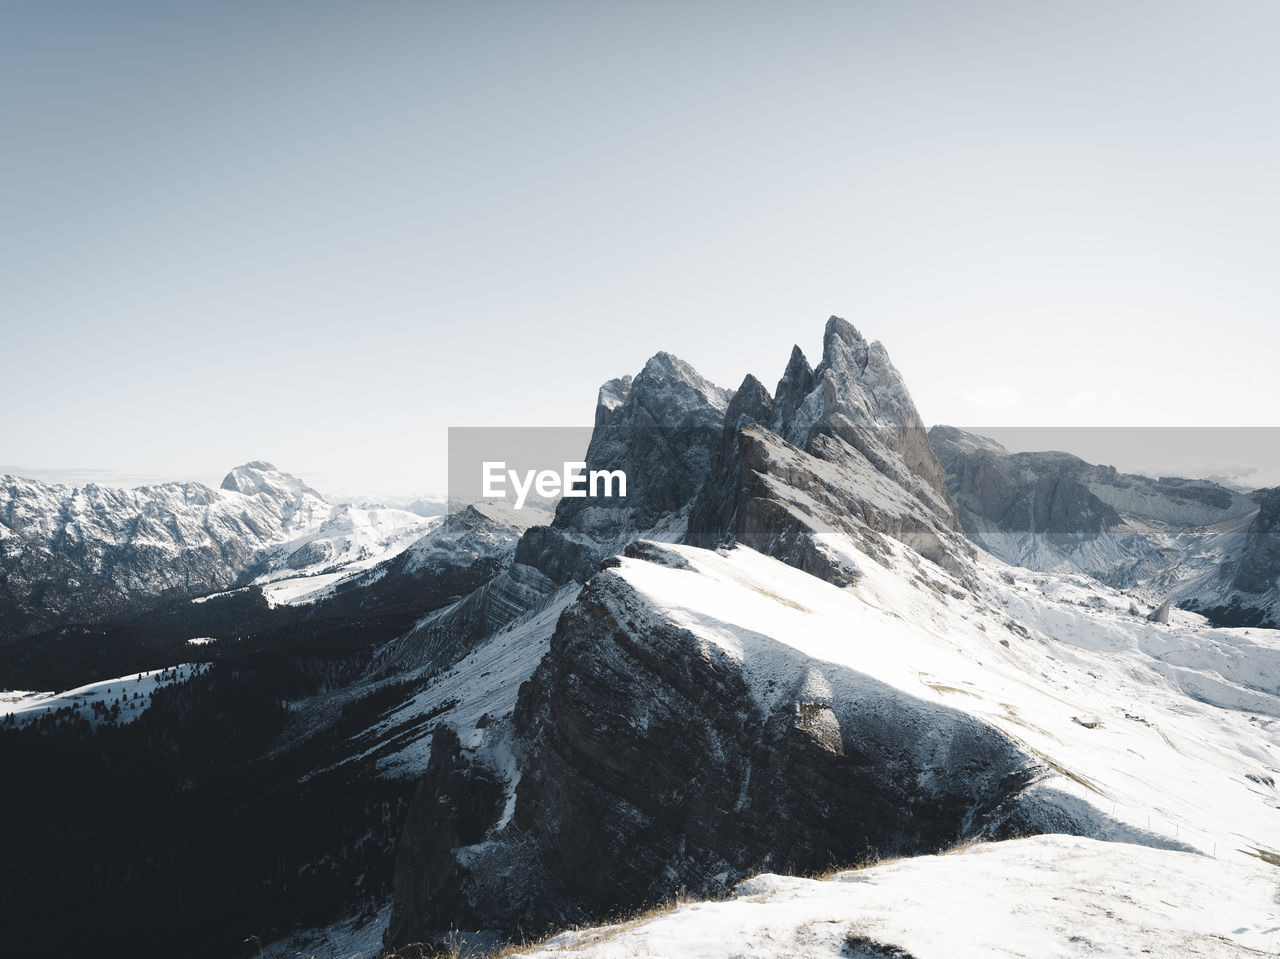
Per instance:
x=322, y=233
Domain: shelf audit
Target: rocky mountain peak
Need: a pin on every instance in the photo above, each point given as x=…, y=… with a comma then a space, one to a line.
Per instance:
x=259, y=476
x=669, y=378
x=857, y=380
x=840, y=331
x=750, y=404
x=796, y=383
x=662, y=429
x=613, y=393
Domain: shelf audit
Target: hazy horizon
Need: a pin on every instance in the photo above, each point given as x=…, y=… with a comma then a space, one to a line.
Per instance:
x=1247, y=458
x=322, y=234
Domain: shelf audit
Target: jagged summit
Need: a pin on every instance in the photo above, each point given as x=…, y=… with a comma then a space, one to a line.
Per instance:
x=857, y=381
x=667, y=375
x=795, y=385
x=752, y=401
x=841, y=329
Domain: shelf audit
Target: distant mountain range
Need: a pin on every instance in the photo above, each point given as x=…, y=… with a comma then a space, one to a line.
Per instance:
x=1208, y=547
x=91, y=553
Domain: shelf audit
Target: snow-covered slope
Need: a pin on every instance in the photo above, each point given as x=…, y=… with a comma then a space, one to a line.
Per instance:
x=1014, y=703
x=1039, y=898
x=1162, y=732
x=1163, y=739
x=347, y=542
x=833, y=670
x=120, y=700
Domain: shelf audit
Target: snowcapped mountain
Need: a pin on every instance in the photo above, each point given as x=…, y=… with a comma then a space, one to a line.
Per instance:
x=796, y=646
x=828, y=670
x=1207, y=547
x=82, y=554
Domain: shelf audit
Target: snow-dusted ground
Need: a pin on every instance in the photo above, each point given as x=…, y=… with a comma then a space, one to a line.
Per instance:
x=484, y=684
x=1172, y=732
x=348, y=542
x=1164, y=736
x=357, y=937
x=1039, y=898
x=133, y=693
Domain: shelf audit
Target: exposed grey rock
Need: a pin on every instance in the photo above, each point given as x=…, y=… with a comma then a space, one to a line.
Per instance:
x=613, y=393
x=662, y=429
x=648, y=768
x=478, y=547
x=795, y=385
x=1020, y=492
x=663, y=435
x=1257, y=570
x=855, y=459
x=1168, y=537
x=785, y=499
x=1161, y=613
x=1245, y=590
x=455, y=802
x=860, y=395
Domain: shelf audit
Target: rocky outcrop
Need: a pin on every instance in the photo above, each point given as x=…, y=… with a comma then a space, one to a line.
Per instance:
x=650, y=767
x=1019, y=492
x=840, y=449
x=859, y=393
x=455, y=802
x=662, y=430
x=500, y=594
x=786, y=501
x=1257, y=571
x=1245, y=590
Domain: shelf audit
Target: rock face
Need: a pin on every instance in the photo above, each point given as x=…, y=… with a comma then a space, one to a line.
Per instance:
x=650, y=767
x=646, y=764
x=846, y=433
x=1061, y=495
x=860, y=396
x=1245, y=590
x=1045, y=493
x=468, y=562
x=661, y=429
x=1214, y=549
x=841, y=449
x=1257, y=571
